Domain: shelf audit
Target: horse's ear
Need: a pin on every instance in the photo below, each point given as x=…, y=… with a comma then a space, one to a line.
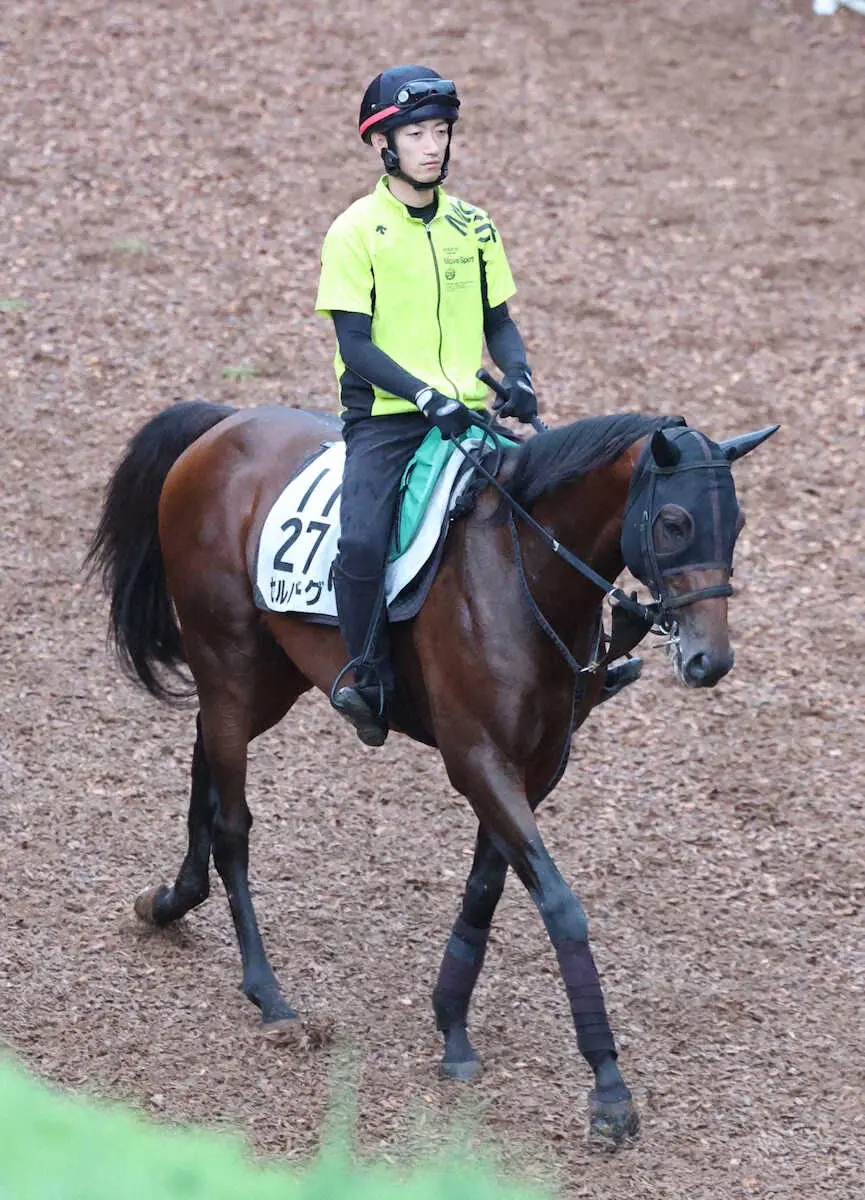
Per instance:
x=737, y=447
x=664, y=452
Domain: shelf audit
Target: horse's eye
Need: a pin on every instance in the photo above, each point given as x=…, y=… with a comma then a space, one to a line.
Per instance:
x=672, y=530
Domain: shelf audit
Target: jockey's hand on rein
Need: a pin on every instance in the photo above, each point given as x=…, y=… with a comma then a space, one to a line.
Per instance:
x=521, y=401
x=449, y=416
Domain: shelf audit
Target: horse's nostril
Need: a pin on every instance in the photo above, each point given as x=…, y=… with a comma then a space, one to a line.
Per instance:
x=697, y=667
x=702, y=670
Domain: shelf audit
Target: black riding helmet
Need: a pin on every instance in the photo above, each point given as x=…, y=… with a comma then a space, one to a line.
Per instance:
x=401, y=96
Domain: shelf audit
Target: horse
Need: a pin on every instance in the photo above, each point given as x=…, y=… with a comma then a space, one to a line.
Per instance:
x=501, y=665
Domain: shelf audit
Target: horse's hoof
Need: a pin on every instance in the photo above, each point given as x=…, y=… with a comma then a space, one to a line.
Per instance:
x=145, y=901
x=283, y=1031
x=469, y=1068
x=612, y=1123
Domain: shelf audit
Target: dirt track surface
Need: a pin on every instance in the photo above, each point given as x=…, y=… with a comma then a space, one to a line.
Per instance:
x=680, y=188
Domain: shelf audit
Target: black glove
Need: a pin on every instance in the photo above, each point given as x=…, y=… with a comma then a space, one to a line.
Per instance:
x=449, y=416
x=521, y=401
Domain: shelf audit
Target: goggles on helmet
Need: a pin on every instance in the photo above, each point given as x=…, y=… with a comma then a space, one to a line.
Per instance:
x=414, y=94
x=421, y=89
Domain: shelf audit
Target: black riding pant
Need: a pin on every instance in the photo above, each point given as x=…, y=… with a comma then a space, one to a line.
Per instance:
x=377, y=452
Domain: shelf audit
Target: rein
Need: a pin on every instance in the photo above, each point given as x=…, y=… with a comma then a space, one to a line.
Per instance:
x=653, y=616
x=576, y=670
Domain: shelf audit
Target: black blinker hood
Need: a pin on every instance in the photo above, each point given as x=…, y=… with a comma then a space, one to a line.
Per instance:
x=696, y=477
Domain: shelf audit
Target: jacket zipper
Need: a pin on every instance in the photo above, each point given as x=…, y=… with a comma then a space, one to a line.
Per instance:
x=438, y=310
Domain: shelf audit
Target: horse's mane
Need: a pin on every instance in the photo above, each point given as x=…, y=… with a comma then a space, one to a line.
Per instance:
x=557, y=456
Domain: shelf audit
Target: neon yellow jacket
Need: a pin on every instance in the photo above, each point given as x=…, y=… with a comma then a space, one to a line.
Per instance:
x=420, y=284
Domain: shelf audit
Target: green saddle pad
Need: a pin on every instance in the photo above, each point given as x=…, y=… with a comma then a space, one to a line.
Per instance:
x=416, y=487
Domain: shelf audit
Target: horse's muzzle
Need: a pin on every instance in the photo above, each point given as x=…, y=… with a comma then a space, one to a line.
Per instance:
x=704, y=669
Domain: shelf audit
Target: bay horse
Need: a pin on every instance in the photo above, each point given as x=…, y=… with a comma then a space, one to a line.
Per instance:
x=491, y=667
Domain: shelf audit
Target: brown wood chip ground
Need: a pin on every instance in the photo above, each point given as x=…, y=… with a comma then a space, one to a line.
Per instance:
x=681, y=188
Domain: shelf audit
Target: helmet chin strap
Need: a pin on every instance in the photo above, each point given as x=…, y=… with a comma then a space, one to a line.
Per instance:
x=390, y=158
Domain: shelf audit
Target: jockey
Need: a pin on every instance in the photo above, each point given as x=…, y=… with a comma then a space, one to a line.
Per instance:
x=414, y=281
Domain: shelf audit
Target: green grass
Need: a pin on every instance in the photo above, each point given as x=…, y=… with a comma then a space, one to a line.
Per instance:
x=131, y=246
x=244, y=371
x=55, y=1147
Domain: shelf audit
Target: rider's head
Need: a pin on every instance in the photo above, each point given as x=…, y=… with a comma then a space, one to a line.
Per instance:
x=407, y=113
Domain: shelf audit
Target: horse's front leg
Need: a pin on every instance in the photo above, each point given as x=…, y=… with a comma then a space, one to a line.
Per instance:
x=613, y=1115
x=464, y=957
x=493, y=786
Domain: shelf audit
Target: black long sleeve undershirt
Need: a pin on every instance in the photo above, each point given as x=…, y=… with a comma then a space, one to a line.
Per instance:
x=501, y=334
x=503, y=340
x=360, y=355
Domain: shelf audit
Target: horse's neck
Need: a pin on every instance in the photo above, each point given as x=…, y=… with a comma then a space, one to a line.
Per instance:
x=586, y=517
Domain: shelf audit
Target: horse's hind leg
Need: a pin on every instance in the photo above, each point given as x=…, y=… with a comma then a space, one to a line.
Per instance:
x=244, y=702
x=162, y=905
x=244, y=690
x=464, y=957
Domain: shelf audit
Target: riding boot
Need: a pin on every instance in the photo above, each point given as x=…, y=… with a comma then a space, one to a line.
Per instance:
x=363, y=622
x=619, y=677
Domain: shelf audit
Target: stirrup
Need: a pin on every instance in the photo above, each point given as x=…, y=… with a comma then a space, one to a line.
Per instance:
x=620, y=677
x=372, y=728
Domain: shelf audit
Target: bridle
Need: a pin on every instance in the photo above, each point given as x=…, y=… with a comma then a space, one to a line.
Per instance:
x=643, y=512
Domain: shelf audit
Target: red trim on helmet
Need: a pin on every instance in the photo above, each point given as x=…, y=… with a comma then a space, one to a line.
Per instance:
x=379, y=116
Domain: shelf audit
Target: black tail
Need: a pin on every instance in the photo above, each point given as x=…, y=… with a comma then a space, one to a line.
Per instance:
x=125, y=548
